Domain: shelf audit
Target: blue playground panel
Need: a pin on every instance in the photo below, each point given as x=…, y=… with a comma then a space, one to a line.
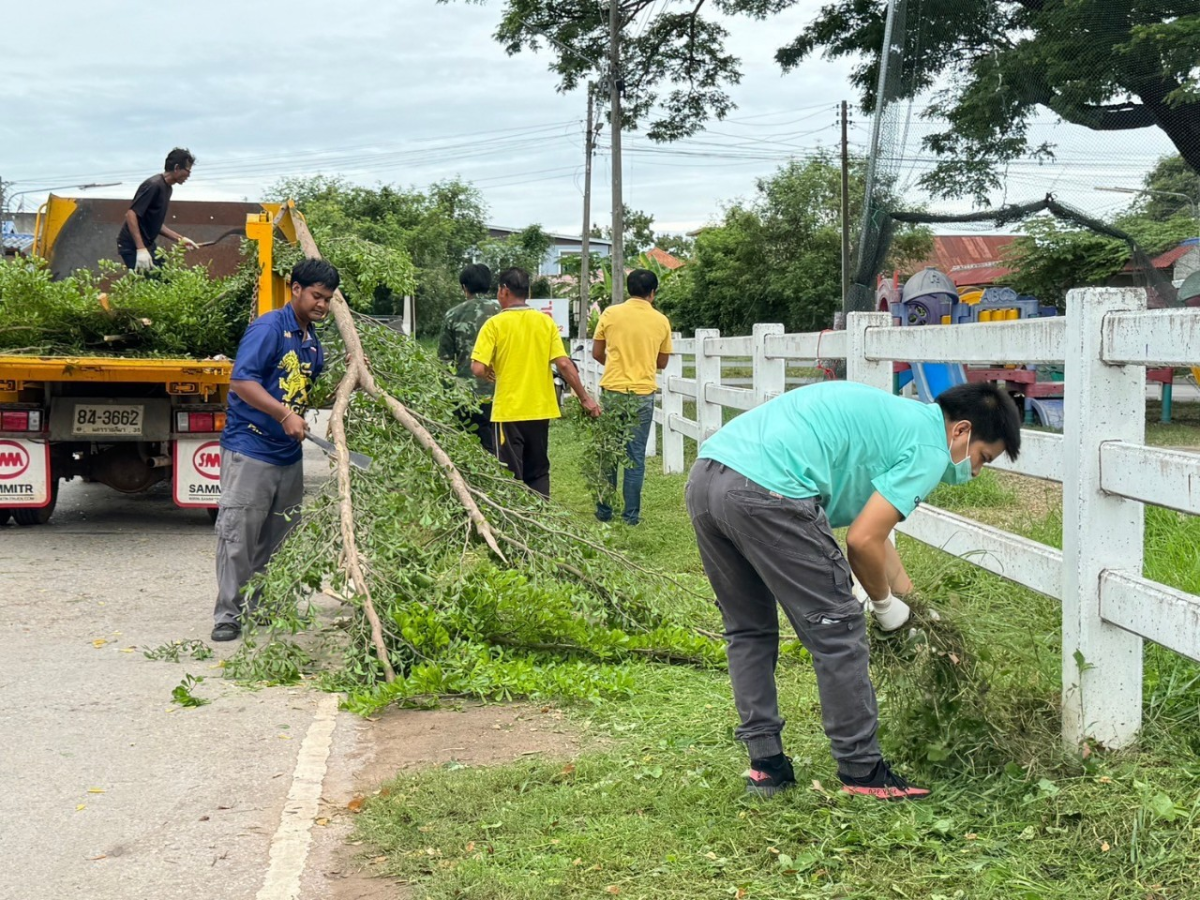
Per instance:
x=934, y=378
x=1047, y=412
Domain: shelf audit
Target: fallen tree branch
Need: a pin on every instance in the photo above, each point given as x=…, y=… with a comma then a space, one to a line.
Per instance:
x=346, y=513
x=364, y=379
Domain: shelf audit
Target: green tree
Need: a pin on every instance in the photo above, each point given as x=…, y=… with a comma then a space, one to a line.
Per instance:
x=1174, y=176
x=526, y=248
x=639, y=232
x=675, y=68
x=1050, y=258
x=678, y=245
x=439, y=228
x=1108, y=65
x=778, y=257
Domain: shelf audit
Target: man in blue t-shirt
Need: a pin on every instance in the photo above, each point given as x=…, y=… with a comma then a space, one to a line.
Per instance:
x=763, y=496
x=262, y=482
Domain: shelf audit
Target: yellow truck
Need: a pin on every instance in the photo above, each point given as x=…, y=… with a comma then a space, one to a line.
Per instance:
x=129, y=423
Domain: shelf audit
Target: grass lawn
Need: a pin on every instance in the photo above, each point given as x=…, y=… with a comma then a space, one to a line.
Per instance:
x=655, y=809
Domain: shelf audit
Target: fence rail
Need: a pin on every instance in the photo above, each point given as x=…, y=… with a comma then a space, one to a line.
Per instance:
x=1106, y=341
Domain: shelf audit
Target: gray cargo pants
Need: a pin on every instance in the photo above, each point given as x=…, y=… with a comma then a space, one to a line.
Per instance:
x=251, y=524
x=759, y=548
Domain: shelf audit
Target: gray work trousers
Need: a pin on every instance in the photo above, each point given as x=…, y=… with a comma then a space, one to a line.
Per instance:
x=760, y=549
x=260, y=504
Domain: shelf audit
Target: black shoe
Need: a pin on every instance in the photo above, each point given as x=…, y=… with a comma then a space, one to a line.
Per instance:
x=226, y=631
x=767, y=777
x=883, y=784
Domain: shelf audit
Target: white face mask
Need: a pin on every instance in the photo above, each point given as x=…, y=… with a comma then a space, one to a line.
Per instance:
x=960, y=472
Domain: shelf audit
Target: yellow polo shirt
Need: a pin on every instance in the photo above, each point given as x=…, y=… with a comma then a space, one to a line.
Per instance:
x=634, y=333
x=520, y=344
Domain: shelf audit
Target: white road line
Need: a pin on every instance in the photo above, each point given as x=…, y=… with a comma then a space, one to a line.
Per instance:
x=289, y=846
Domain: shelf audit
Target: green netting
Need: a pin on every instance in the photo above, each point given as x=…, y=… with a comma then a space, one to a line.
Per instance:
x=987, y=114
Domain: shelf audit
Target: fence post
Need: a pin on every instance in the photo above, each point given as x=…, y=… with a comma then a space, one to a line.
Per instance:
x=875, y=372
x=770, y=375
x=672, y=405
x=708, y=371
x=1101, y=663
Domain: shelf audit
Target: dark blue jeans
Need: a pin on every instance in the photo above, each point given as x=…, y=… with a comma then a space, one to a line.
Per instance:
x=635, y=462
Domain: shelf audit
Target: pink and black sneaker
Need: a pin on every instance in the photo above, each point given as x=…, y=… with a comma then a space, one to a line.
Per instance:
x=883, y=784
x=767, y=777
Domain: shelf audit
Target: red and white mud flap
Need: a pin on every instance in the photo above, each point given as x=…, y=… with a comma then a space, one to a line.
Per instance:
x=197, y=472
x=24, y=473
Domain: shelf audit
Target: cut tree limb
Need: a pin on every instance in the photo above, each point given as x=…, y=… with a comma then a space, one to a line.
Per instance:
x=358, y=375
x=353, y=562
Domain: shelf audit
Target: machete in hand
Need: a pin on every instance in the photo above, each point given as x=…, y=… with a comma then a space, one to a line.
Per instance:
x=358, y=460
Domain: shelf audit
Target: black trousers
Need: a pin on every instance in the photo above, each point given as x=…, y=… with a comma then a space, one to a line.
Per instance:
x=479, y=422
x=525, y=448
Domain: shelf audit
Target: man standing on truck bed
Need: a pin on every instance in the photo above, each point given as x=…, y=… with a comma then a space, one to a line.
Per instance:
x=262, y=482
x=146, y=214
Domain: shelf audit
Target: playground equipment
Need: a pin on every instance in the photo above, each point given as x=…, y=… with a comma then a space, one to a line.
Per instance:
x=930, y=298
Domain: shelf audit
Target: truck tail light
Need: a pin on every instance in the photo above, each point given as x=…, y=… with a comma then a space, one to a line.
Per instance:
x=21, y=420
x=199, y=422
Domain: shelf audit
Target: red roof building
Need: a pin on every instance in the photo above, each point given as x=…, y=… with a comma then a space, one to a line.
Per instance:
x=664, y=259
x=970, y=259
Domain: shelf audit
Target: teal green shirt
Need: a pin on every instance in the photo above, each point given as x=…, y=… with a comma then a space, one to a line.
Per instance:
x=840, y=442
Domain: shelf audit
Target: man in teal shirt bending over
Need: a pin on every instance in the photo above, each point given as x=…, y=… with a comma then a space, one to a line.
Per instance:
x=763, y=496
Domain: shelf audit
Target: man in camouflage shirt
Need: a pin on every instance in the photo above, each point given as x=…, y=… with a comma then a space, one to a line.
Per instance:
x=460, y=328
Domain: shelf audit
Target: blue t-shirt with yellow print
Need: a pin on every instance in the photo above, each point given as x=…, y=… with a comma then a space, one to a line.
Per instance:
x=285, y=361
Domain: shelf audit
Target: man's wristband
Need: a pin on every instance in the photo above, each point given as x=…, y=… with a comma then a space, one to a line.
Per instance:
x=290, y=412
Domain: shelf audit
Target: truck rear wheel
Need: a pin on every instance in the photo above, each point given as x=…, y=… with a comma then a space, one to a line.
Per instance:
x=36, y=516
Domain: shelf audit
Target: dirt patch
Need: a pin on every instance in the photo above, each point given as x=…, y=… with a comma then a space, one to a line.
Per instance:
x=403, y=740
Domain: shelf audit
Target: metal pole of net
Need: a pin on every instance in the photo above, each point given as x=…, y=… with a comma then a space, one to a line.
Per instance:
x=994, y=123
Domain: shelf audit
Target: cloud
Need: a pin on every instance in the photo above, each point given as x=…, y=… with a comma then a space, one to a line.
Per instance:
x=407, y=91
x=366, y=89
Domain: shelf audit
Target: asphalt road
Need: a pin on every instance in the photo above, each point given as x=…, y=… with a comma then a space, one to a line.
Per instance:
x=107, y=788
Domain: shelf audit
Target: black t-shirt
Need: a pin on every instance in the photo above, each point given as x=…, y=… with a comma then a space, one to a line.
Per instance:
x=150, y=203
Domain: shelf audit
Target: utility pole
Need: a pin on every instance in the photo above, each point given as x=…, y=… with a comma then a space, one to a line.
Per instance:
x=845, y=209
x=615, y=84
x=585, y=258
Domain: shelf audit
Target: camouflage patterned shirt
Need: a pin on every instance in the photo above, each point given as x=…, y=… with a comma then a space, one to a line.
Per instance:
x=460, y=328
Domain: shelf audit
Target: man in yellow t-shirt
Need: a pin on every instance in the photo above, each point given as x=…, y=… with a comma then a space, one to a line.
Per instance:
x=633, y=341
x=515, y=349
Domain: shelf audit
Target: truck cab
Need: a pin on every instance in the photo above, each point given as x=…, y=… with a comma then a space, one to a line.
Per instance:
x=129, y=423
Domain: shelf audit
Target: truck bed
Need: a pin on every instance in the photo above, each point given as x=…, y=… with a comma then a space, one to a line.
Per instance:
x=188, y=376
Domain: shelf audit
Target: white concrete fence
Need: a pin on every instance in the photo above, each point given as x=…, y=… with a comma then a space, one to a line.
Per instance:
x=1106, y=341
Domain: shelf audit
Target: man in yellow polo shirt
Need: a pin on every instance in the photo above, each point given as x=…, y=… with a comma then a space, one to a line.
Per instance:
x=515, y=349
x=633, y=341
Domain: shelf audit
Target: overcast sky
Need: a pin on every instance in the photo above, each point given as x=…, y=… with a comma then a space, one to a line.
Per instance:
x=412, y=92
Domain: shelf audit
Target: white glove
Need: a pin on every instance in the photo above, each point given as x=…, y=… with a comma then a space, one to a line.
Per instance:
x=145, y=261
x=188, y=242
x=891, y=613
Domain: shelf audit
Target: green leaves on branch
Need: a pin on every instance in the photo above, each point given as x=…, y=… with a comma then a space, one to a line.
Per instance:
x=564, y=617
x=1107, y=65
x=675, y=67
x=605, y=441
x=176, y=310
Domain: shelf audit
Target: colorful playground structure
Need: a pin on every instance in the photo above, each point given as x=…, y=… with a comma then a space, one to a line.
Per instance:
x=930, y=298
